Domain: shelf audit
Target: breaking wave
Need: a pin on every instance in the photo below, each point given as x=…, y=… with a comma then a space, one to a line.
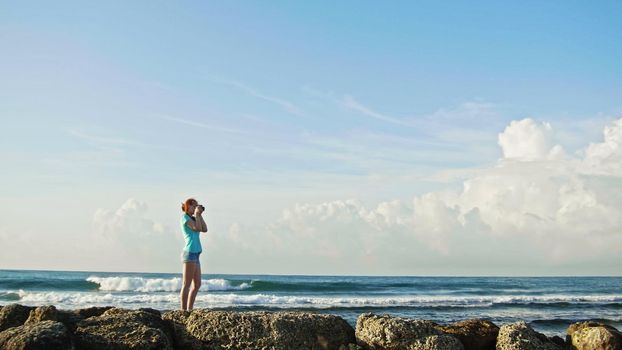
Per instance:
x=140, y=284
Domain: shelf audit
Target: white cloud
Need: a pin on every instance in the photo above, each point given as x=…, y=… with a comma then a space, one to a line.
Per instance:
x=132, y=240
x=528, y=140
x=12, y=245
x=534, y=212
x=128, y=219
x=529, y=214
x=307, y=238
x=566, y=212
x=606, y=157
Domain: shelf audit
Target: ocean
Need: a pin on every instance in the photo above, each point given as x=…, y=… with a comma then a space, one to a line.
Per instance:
x=549, y=304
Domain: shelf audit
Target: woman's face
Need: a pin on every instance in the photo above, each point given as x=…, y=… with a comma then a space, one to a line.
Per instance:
x=191, y=207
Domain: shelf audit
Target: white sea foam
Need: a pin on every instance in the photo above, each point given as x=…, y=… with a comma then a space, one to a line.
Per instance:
x=81, y=299
x=139, y=284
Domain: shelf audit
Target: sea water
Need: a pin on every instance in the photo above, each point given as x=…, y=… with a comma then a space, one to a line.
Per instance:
x=549, y=304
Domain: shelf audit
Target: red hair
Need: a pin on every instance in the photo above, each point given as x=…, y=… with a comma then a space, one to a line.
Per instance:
x=187, y=203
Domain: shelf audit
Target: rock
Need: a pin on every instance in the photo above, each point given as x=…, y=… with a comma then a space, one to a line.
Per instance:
x=437, y=342
x=151, y=311
x=44, y=335
x=474, y=334
x=519, y=336
x=177, y=316
x=42, y=313
x=592, y=335
x=13, y=315
x=259, y=330
x=181, y=338
x=123, y=329
x=50, y=313
x=559, y=341
x=575, y=327
x=69, y=318
x=92, y=311
x=392, y=333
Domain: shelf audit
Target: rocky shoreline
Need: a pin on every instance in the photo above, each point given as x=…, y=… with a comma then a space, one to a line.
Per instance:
x=45, y=327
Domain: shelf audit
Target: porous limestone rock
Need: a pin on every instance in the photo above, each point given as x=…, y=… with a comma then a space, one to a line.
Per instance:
x=474, y=334
x=42, y=313
x=13, y=315
x=123, y=329
x=519, y=336
x=386, y=332
x=92, y=311
x=437, y=342
x=260, y=330
x=593, y=335
x=181, y=338
x=44, y=335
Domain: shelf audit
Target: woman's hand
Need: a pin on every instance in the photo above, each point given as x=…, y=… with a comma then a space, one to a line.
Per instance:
x=198, y=210
x=200, y=222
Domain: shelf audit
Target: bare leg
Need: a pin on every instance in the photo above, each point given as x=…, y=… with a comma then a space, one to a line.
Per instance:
x=188, y=275
x=196, y=284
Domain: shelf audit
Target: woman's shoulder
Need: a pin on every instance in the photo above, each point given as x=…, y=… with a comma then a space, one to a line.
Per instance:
x=185, y=217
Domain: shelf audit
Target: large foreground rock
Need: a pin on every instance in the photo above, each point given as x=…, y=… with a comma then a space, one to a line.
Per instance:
x=123, y=329
x=49, y=313
x=259, y=330
x=519, y=336
x=395, y=333
x=42, y=313
x=44, y=335
x=13, y=315
x=474, y=334
x=593, y=336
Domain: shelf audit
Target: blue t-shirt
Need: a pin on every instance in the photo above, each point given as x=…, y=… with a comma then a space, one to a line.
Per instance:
x=193, y=243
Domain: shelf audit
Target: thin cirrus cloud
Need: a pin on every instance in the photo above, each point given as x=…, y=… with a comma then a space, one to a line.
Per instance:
x=351, y=103
x=103, y=142
x=287, y=106
x=203, y=125
x=467, y=119
x=112, y=145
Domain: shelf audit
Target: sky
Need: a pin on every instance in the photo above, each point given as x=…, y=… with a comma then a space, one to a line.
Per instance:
x=333, y=138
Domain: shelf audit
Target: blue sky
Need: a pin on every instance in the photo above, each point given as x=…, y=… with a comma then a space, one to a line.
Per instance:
x=263, y=109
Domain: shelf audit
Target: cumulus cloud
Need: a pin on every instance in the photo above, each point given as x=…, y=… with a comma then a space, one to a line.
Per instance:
x=310, y=238
x=605, y=158
x=528, y=140
x=536, y=209
x=129, y=220
x=129, y=236
x=566, y=211
x=11, y=245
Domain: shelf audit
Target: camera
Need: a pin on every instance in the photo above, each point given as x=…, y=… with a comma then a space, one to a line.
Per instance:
x=202, y=207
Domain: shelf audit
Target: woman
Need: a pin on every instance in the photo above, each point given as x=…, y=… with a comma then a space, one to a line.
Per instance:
x=192, y=224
